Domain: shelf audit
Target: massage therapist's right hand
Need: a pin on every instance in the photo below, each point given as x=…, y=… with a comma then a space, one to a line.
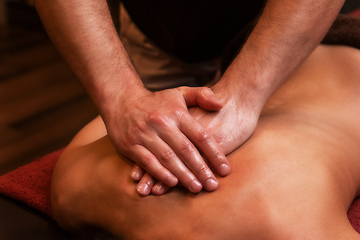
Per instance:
x=157, y=132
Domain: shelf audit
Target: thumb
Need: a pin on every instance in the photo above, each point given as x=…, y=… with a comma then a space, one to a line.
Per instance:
x=201, y=96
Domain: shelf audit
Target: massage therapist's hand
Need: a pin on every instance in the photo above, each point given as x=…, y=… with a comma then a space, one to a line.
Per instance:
x=157, y=132
x=231, y=126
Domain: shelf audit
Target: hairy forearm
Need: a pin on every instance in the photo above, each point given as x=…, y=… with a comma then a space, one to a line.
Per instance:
x=84, y=33
x=155, y=130
x=285, y=35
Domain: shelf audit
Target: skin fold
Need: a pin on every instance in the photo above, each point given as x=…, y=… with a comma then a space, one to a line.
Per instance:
x=295, y=178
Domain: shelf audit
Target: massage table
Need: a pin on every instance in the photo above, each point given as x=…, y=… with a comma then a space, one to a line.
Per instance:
x=21, y=213
x=25, y=211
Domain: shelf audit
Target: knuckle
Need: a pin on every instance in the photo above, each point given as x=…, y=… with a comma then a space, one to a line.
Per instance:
x=203, y=170
x=157, y=118
x=186, y=148
x=218, y=155
x=203, y=136
x=140, y=126
x=167, y=156
x=147, y=160
x=179, y=112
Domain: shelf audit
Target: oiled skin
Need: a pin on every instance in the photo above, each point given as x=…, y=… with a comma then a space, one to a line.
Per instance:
x=293, y=179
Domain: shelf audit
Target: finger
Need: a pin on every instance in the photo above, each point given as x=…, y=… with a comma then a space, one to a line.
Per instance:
x=159, y=189
x=182, y=148
x=145, y=185
x=206, y=143
x=201, y=96
x=137, y=173
x=169, y=159
x=147, y=161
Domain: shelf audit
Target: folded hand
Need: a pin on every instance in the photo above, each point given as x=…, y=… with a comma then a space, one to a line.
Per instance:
x=231, y=126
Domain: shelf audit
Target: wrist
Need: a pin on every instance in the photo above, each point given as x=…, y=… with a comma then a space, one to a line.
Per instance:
x=112, y=97
x=246, y=90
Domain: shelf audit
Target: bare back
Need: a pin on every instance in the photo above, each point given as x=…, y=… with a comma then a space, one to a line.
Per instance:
x=294, y=178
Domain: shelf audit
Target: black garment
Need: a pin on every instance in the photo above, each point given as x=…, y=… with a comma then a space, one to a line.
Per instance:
x=192, y=30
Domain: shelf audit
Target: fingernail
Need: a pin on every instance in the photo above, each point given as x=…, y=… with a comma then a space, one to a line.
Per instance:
x=158, y=189
x=224, y=169
x=143, y=189
x=171, y=181
x=195, y=186
x=135, y=175
x=211, y=185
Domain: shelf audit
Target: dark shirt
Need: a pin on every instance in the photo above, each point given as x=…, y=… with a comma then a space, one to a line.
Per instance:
x=192, y=30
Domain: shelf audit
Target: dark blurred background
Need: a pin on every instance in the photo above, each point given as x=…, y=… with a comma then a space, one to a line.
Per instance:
x=42, y=106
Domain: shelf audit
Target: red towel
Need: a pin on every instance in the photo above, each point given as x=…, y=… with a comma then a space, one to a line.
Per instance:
x=355, y=13
x=30, y=184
